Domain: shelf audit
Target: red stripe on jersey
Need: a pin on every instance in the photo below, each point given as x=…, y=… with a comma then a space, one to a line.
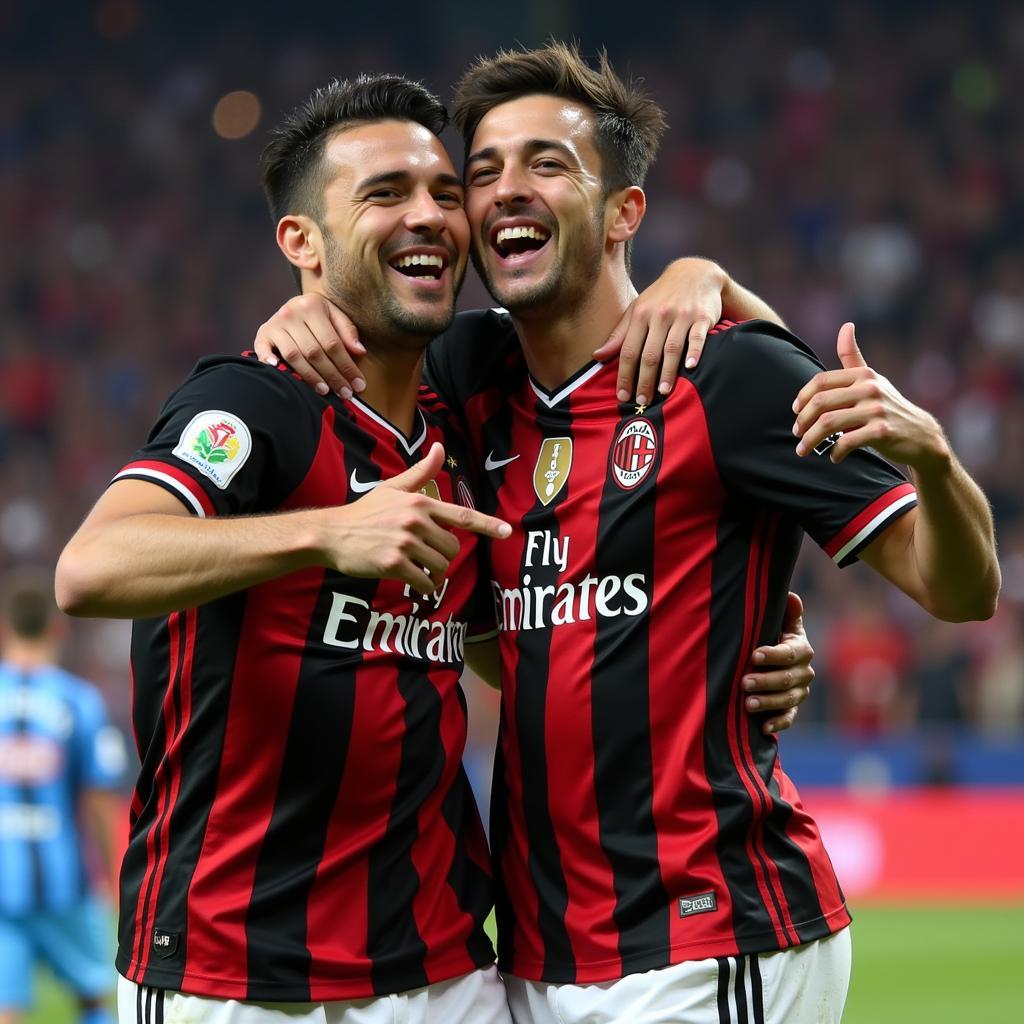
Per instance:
x=179, y=476
x=177, y=722
x=572, y=800
x=247, y=778
x=746, y=770
x=852, y=528
x=683, y=804
x=802, y=830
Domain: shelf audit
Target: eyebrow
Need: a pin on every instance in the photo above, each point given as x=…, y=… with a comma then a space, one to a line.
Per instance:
x=530, y=146
x=403, y=178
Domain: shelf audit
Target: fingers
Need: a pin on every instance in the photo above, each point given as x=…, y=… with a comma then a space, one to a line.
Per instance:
x=846, y=348
x=779, y=723
x=415, y=478
x=822, y=384
x=793, y=619
x=462, y=518
x=695, y=347
x=650, y=359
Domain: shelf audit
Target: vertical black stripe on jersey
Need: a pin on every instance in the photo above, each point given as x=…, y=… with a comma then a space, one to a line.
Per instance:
x=471, y=884
x=498, y=426
x=733, y=808
x=620, y=707
x=27, y=796
x=148, y=867
x=218, y=633
x=532, y=677
x=794, y=869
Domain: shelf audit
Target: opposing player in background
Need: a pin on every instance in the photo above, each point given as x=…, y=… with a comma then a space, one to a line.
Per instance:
x=60, y=765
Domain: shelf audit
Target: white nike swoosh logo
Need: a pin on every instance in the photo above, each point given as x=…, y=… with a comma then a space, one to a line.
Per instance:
x=359, y=486
x=492, y=463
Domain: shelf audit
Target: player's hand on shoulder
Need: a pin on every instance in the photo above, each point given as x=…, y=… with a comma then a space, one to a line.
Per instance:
x=781, y=676
x=317, y=340
x=669, y=318
x=867, y=410
x=397, y=532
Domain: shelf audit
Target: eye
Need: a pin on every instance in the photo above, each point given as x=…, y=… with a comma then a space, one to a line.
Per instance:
x=483, y=176
x=384, y=195
x=452, y=200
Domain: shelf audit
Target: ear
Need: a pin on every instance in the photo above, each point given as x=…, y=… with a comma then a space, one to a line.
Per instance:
x=299, y=238
x=624, y=212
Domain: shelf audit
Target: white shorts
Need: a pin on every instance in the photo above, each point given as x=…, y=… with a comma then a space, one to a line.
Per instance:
x=474, y=998
x=803, y=985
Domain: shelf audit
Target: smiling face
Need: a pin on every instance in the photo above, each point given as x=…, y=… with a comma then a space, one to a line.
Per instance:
x=394, y=229
x=536, y=203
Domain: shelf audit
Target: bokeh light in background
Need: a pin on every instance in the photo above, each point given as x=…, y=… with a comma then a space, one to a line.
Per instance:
x=236, y=115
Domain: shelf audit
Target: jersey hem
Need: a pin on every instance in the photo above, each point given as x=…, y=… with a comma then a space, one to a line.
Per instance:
x=316, y=992
x=611, y=970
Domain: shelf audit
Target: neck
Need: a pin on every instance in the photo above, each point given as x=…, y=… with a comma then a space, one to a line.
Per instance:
x=392, y=376
x=27, y=654
x=558, y=340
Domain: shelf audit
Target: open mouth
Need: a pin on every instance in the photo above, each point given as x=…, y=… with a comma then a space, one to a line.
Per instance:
x=425, y=266
x=520, y=240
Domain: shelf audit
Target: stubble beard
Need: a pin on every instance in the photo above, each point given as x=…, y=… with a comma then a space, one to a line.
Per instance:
x=566, y=284
x=374, y=307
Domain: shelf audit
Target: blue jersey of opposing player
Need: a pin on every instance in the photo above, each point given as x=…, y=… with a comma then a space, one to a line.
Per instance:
x=55, y=742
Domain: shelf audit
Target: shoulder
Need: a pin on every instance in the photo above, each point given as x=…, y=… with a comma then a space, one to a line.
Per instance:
x=245, y=376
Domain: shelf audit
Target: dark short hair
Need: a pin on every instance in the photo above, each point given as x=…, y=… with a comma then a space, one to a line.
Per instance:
x=27, y=605
x=291, y=163
x=629, y=123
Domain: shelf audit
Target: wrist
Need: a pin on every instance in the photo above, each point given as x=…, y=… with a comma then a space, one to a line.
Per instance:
x=936, y=458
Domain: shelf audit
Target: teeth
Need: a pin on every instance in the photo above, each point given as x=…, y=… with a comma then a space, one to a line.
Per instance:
x=420, y=260
x=505, y=234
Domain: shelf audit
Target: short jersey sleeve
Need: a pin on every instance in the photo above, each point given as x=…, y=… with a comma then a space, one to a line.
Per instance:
x=747, y=388
x=237, y=437
x=100, y=747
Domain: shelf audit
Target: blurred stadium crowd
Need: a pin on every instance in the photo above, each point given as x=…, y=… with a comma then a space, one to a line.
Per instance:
x=845, y=161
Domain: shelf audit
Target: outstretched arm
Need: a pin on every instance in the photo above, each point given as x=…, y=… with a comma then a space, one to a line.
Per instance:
x=139, y=553
x=943, y=553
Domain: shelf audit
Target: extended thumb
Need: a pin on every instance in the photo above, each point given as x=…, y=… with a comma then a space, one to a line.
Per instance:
x=847, y=349
x=415, y=478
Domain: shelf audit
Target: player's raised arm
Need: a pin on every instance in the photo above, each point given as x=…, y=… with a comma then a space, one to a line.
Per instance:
x=673, y=317
x=139, y=553
x=317, y=340
x=943, y=553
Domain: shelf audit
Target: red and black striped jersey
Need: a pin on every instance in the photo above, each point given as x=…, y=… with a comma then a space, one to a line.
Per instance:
x=640, y=817
x=302, y=827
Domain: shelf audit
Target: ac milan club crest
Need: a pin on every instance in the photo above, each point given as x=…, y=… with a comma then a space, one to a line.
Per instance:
x=633, y=453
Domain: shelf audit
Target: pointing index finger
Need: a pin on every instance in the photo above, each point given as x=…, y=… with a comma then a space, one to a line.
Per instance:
x=463, y=518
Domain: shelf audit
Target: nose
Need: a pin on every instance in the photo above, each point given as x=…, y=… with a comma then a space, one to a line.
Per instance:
x=424, y=215
x=512, y=186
